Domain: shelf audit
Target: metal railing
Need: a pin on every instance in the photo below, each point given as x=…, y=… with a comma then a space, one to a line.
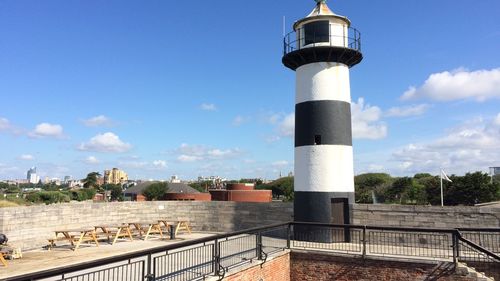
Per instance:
x=215, y=255
x=297, y=40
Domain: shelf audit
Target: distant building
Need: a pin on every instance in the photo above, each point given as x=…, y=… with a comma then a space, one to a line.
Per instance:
x=176, y=192
x=175, y=179
x=31, y=176
x=115, y=176
x=241, y=192
x=66, y=179
x=494, y=171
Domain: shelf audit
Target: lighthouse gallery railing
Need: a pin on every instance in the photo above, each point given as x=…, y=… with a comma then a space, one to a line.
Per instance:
x=296, y=40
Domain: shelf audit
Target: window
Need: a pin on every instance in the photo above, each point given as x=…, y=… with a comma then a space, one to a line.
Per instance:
x=318, y=31
x=317, y=139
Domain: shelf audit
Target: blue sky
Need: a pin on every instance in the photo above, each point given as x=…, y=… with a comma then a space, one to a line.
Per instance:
x=193, y=88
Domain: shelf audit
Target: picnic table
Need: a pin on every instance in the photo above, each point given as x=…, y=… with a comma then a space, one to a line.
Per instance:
x=180, y=224
x=2, y=259
x=146, y=228
x=114, y=232
x=74, y=236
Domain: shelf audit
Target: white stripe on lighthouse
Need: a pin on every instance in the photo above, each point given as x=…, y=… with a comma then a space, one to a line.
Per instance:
x=322, y=81
x=324, y=168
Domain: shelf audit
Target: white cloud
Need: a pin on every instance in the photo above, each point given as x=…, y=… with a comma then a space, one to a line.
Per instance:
x=4, y=124
x=405, y=111
x=7, y=169
x=160, y=164
x=366, y=122
x=497, y=120
x=188, y=158
x=47, y=130
x=26, y=157
x=208, y=107
x=134, y=164
x=472, y=146
x=192, y=153
x=284, y=125
x=96, y=121
x=458, y=84
x=239, y=120
x=287, y=126
x=281, y=163
x=92, y=160
x=107, y=142
x=217, y=153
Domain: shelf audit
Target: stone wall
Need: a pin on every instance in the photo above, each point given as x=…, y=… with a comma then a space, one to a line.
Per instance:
x=30, y=227
x=426, y=216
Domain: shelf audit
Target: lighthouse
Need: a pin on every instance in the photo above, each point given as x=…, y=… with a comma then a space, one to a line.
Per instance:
x=321, y=49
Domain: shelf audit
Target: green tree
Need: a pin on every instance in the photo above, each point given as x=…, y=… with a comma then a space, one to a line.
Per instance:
x=432, y=189
x=201, y=186
x=155, y=191
x=371, y=184
x=4, y=185
x=116, y=191
x=282, y=187
x=399, y=187
x=91, y=180
x=472, y=188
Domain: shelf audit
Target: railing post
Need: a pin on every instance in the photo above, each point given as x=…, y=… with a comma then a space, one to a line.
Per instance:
x=258, y=247
x=456, y=247
x=288, y=235
x=364, y=241
x=149, y=276
x=216, y=258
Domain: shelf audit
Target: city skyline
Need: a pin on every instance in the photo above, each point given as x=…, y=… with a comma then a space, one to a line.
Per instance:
x=158, y=90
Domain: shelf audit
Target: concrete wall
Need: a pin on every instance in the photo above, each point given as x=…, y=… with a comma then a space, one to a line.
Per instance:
x=30, y=227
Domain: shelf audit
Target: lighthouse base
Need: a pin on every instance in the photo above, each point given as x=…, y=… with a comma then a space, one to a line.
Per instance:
x=322, y=207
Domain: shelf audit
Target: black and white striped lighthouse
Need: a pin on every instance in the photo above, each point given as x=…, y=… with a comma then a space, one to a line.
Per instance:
x=321, y=49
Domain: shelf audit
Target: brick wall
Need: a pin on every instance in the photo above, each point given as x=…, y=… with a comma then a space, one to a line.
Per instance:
x=317, y=266
x=275, y=269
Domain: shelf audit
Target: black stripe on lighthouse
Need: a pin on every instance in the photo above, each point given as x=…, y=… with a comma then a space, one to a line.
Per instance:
x=323, y=122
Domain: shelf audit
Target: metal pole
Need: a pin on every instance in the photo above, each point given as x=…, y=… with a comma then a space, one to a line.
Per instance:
x=288, y=235
x=441, y=177
x=364, y=241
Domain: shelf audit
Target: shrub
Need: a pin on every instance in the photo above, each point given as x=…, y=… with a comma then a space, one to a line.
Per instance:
x=47, y=197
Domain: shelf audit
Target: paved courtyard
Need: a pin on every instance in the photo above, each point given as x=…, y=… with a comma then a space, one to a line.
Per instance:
x=62, y=255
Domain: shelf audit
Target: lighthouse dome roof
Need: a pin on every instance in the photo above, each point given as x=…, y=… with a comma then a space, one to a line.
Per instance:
x=321, y=10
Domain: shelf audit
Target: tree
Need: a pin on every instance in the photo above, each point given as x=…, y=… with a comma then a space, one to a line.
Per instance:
x=401, y=185
x=473, y=188
x=282, y=187
x=116, y=192
x=91, y=180
x=155, y=191
x=200, y=186
x=371, y=185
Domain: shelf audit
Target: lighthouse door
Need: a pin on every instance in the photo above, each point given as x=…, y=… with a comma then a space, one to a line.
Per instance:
x=340, y=215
